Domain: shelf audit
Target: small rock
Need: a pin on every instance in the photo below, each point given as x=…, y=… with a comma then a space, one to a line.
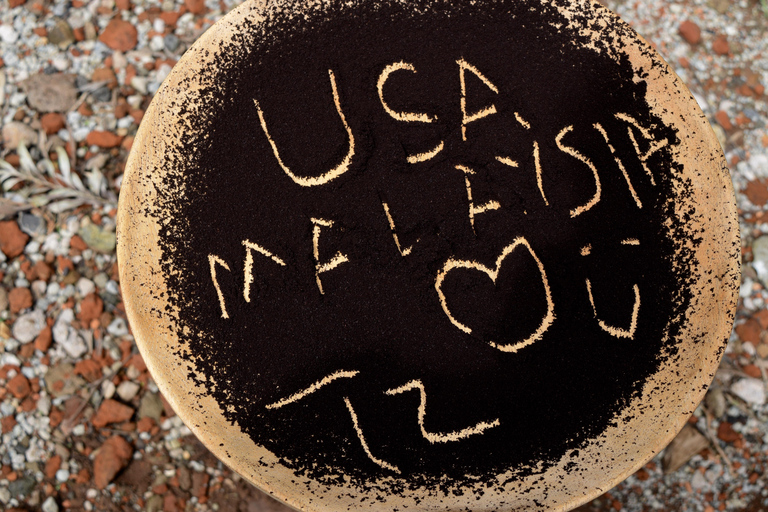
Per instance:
x=30, y=223
x=42, y=271
x=43, y=340
x=50, y=505
x=111, y=411
x=61, y=34
x=171, y=42
x=119, y=35
x=28, y=326
x=154, y=503
x=74, y=345
x=20, y=299
x=85, y=286
x=698, y=481
x=195, y=6
x=89, y=369
x=5, y=496
x=22, y=487
x=720, y=45
x=690, y=31
x=60, y=380
x=98, y=239
x=62, y=475
x=721, y=6
x=724, y=121
x=52, y=465
x=118, y=328
x=127, y=390
x=108, y=388
x=750, y=390
x=12, y=239
x=8, y=34
x=50, y=93
x=715, y=401
x=102, y=94
x=151, y=406
x=91, y=308
x=3, y=299
x=726, y=433
x=52, y=122
x=103, y=139
x=104, y=74
x=19, y=386
x=113, y=456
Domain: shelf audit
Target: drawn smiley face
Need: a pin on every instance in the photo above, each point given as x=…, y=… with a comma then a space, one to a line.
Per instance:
x=426, y=256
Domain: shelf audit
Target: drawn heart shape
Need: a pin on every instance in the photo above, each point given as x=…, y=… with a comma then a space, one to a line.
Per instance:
x=549, y=317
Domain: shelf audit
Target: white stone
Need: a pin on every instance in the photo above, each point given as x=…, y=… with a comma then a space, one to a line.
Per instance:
x=62, y=475
x=117, y=327
x=8, y=34
x=127, y=390
x=750, y=390
x=157, y=43
x=85, y=286
x=50, y=505
x=28, y=326
x=108, y=388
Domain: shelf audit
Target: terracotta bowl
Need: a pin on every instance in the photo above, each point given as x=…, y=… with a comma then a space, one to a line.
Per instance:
x=462, y=141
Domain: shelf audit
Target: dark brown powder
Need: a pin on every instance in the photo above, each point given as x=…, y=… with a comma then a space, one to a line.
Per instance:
x=378, y=333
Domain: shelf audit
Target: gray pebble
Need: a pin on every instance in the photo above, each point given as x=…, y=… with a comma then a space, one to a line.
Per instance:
x=102, y=94
x=22, y=487
x=28, y=326
x=171, y=42
x=31, y=224
x=3, y=299
x=62, y=475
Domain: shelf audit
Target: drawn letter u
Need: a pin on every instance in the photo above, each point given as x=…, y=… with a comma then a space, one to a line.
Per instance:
x=333, y=173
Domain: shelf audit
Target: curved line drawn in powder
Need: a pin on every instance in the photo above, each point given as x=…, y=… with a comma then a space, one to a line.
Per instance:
x=654, y=147
x=337, y=260
x=618, y=331
x=549, y=317
x=427, y=155
x=249, y=248
x=212, y=261
x=341, y=374
x=400, y=116
x=439, y=437
x=468, y=118
x=602, y=131
x=333, y=173
x=575, y=154
x=359, y=432
x=407, y=250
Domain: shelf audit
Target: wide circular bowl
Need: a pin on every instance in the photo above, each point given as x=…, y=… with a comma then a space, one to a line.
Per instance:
x=385, y=255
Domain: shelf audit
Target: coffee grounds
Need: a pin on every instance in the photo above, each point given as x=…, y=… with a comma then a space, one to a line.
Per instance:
x=383, y=372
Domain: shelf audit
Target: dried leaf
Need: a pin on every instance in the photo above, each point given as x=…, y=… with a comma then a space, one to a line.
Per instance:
x=688, y=443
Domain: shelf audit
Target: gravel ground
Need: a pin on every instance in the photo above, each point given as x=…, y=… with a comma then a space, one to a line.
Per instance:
x=83, y=425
